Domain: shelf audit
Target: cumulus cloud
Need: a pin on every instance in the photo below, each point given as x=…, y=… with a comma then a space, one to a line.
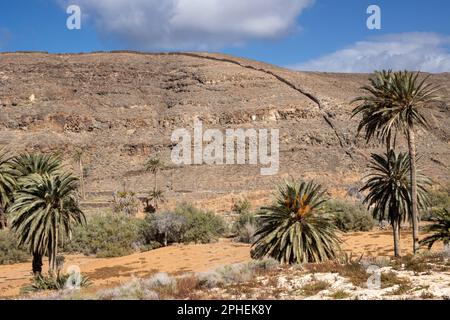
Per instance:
x=428, y=52
x=194, y=24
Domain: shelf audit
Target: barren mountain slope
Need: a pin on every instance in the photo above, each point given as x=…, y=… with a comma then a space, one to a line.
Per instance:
x=122, y=107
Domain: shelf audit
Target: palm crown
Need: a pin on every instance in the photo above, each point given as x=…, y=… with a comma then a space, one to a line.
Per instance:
x=296, y=229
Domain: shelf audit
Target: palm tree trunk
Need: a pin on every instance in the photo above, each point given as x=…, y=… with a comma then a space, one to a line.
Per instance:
x=396, y=229
x=37, y=264
x=414, y=209
x=154, y=190
x=83, y=195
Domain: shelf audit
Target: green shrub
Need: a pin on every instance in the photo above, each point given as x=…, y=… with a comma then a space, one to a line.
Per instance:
x=201, y=226
x=439, y=200
x=107, y=236
x=244, y=228
x=242, y=206
x=60, y=282
x=350, y=216
x=187, y=224
x=10, y=252
x=164, y=227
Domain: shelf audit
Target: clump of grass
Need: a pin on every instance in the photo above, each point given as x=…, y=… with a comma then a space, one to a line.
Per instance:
x=353, y=271
x=133, y=290
x=340, y=295
x=186, y=287
x=60, y=282
x=236, y=273
x=390, y=279
x=411, y=263
x=427, y=295
x=314, y=287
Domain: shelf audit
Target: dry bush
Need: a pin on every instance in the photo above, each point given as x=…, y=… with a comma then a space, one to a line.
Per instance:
x=314, y=287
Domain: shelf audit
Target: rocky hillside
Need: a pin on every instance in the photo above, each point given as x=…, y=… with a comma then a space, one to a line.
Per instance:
x=121, y=108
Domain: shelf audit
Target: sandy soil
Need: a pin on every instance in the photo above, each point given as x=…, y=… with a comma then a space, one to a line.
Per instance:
x=184, y=258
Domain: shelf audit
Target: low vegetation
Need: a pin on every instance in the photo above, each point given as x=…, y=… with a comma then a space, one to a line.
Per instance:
x=114, y=235
x=107, y=235
x=125, y=202
x=10, y=251
x=201, y=226
x=439, y=201
x=246, y=223
x=314, y=287
x=350, y=216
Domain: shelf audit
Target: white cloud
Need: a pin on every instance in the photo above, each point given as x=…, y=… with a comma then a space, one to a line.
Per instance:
x=195, y=24
x=422, y=51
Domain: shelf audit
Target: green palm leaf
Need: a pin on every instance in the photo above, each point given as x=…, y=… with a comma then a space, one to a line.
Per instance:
x=296, y=228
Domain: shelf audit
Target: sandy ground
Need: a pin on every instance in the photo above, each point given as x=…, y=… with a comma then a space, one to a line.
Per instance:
x=176, y=259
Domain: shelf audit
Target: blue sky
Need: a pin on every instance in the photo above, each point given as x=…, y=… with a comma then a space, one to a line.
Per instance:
x=324, y=35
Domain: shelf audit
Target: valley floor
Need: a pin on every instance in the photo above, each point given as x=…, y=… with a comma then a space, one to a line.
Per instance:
x=178, y=259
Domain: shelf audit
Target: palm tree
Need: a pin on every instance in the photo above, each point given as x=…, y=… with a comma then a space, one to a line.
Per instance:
x=377, y=99
x=389, y=192
x=157, y=196
x=154, y=165
x=296, y=228
x=7, y=185
x=399, y=105
x=27, y=164
x=440, y=229
x=78, y=157
x=44, y=211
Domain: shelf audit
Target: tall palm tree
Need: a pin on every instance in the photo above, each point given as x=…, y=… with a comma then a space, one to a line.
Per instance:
x=45, y=210
x=296, y=228
x=7, y=185
x=399, y=105
x=389, y=192
x=154, y=165
x=440, y=229
x=78, y=157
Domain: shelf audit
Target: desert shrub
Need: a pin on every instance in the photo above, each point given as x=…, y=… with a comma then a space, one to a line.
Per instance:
x=133, y=290
x=244, y=228
x=187, y=224
x=246, y=233
x=165, y=227
x=349, y=216
x=107, y=236
x=159, y=285
x=60, y=282
x=266, y=264
x=439, y=200
x=230, y=274
x=201, y=226
x=242, y=206
x=125, y=202
x=314, y=287
x=236, y=273
x=10, y=252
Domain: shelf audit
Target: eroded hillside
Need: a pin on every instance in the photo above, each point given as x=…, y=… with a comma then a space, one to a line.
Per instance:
x=120, y=108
